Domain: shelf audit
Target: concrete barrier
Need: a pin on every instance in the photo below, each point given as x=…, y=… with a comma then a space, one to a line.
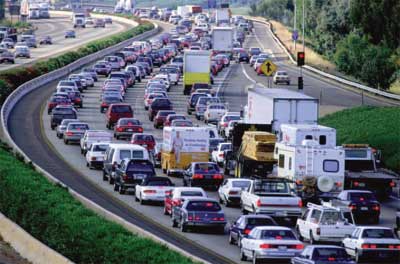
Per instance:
x=28, y=246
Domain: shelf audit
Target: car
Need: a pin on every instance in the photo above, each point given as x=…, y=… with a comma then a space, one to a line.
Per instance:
x=125, y=127
x=117, y=111
x=173, y=117
x=46, y=40
x=181, y=123
x=74, y=132
x=145, y=140
x=92, y=136
x=153, y=189
x=270, y=243
x=102, y=68
x=92, y=72
x=22, y=51
x=63, y=126
x=108, y=20
x=253, y=59
x=254, y=51
x=150, y=97
x=243, y=225
x=198, y=86
x=373, y=243
x=214, y=112
x=225, y=119
x=319, y=254
x=76, y=99
x=8, y=43
x=99, y=22
x=202, y=174
x=227, y=132
x=217, y=155
x=57, y=100
x=257, y=65
x=159, y=119
x=193, y=101
x=157, y=105
x=199, y=212
x=131, y=172
x=109, y=99
x=70, y=34
x=281, y=77
x=363, y=205
x=95, y=155
x=61, y=112
x=178, y=196
x=202, y=103
x=242, y=56
x=29, y=40
x=7, y=57
x=172, y=72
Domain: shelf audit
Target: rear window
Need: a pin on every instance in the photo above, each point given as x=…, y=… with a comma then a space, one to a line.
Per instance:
x=326, y=254
x=240, y=184
x=144, y=138
x=205, y=167
x=177, y=118
x=112, y=59
x=78, y=126
x=229, y=118
x=117, y=75
x=258, y=221
x=111, y=100
x=129, y=122
x=217, y=107
x=378, y=233
x=140, y=166
x=161, y=102
x=277, y=234
x=177, y=60
x=100, y=148
x=270, y=187
x=207, y=206
x=65, y=83
x=121, y=109
x=191, y=193
x=162, y=113
x=64, y=111
x=131, y=154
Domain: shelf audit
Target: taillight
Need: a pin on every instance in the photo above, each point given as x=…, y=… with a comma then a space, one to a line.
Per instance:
x=265, y=246
x=373, y=246
x=331, y=259
x=233, y=192
x=93, y=158
x=221, y=155
x=352, y=207
x=392, y=184
x=198, y=176
x=190, y=218
x=338, y=184
x=103, y=104
x=168, y=192
x=356, y=184
x=364, y=246
x=69, y=133
x=299, y=246
x=149, y=191
x=225, y=124
x=300, y=203
x=218, y=177
x=124, y=176
x=278, y=237
x=140, y=129
x=259, y=203
x=120, y=129
x=376, y=207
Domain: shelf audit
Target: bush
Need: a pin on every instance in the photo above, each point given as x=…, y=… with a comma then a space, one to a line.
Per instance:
x=377, y=126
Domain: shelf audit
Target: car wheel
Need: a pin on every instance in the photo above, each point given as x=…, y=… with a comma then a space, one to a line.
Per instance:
x=104, y=176
x=174, y=223
x=301, y=238
x=357, y=256
x=255, y=260
x=121, y=190
x=165, y=211
x=142, y=202
x=312, y=240
x=183, y=226
x=244, y=211
x=243, y=257
x=66, y=142
x=110, y=180
x=197, y=117
x=116, y=187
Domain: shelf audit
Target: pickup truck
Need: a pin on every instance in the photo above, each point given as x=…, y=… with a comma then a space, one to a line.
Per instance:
x=271, y=196
x=324, y=223
x=214, y=112
x=93, y=136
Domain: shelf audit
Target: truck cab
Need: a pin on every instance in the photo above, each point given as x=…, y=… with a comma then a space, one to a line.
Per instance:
x=79, y=20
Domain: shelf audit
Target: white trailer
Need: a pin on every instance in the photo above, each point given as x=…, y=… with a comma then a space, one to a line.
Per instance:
x=183, y=10
x=326, y=165
x=222, y=16
x=222, y=39
x=196, y=68
x=280, y=106
x=294, y=134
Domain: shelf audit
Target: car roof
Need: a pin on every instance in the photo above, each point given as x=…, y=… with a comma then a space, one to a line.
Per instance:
x=202, y=199
x=181, y=189
x=126, y=145
x=323, y=246
x=273, y=228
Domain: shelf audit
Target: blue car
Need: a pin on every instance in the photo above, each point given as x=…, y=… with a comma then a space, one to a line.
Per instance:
x=202, y=174
x=199, y=212
x=322, y=254
x=245, y=223
x=70, y=34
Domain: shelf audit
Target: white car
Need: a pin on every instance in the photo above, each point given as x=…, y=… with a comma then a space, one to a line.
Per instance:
x=92, y=136
x=227, y=132
x=173, y=73
x=217, y=155
x=321, y=223
x=229, y=191
x=229, y=116
x=214, y=112
x=178, y=196
x=150, y=97
x=368, y=242
x=281, y=77
x=258, y=63
x=153, y=189
x=95, y=155
x=269, y=243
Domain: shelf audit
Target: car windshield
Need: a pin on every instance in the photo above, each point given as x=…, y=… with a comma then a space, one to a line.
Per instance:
x=78, y=126
x=129, y=122
x=100, y=148
x=121, y=109
x=277, y=234
x=362, y=196
x=144, y=138
x=270, y=187
x=330, y=254
x=191, y=193
x=378, y=233
x=207, y=206
x=240, y=184
x=205, y=167
x=260, y=221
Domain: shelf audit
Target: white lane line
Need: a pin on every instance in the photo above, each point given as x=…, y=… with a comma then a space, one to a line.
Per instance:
x=223, y=80
x=250, y=79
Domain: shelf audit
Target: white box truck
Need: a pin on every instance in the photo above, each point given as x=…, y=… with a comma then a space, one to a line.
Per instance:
x=294, y=134
x=196, y=68
x=222, y=39
x=79, y=20
x=222, y=16
x=280, y=106
x=183, y=10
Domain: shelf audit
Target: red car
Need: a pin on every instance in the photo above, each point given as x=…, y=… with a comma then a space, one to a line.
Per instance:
x=159, y=119
x=126, y=127
x=178, y=195
x=144, y=140
x=117, y=111
x=54, y=101
x=173, y=117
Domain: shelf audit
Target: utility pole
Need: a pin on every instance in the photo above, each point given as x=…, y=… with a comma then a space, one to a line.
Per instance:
x=295, y=23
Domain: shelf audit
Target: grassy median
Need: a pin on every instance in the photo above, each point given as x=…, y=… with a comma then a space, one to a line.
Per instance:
x=49, y=213
x=376, y=126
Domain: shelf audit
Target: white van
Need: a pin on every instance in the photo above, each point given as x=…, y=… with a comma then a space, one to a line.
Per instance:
x=116, y=153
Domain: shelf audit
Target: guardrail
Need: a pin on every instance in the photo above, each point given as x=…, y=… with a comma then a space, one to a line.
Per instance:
x=37, y=83
x=325, y=74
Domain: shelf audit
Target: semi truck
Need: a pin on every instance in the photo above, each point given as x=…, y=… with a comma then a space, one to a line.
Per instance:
x=196, y=68
x=222, y=39
x=182, y=146
x=79, y=20
x=280, y=106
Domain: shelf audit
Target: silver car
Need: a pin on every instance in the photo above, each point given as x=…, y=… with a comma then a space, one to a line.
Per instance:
x=75, y=131
x=22, y=51
x=63, y=126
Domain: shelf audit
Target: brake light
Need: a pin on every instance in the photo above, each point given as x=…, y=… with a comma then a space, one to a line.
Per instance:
x=300, y=203
x=93, y=158
x=124, y=176
x=392, y=184
x=140, y=129
x=397, y=246
x=77, y=99
x=265, y=246
x=352, y=207
x=233, y=192
x=149, y=191
x=372, y=246
x=198, y=176
x=120, y=129
x=221, y=155
x=197, y=218
x=356, y=184
x=190, y=218
x=247, y=231
x=299, y=246
x=376, y=207
x=218, y=177
x=259, y=203
x=331, y=259
x=367, y=246
x=278, y=237
x=364, y=246
x=103, y=104
x=225, y=124
x=69, y=133
x=338, y=184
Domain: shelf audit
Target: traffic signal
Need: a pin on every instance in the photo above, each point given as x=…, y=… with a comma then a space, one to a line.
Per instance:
x=300, y=58
x=300, y=82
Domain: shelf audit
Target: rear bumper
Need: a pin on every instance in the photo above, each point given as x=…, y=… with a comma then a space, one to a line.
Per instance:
x=279, y=213
x=206, y=182
x=386, y=254
x=209, y=224
x=73, y=138
x=96, y=164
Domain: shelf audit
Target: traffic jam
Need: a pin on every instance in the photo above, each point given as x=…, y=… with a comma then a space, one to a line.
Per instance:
x=164, y=135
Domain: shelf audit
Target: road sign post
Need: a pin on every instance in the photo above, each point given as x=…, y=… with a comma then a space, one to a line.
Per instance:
x=268, y=68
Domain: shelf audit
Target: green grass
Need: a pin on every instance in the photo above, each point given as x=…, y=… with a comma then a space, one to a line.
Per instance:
x=50, y=214
x=377, y=126
x=16, y=24
x=244, y=11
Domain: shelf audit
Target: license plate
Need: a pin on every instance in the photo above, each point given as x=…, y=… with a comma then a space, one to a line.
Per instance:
x=139, y=176
x=364, y=208
x=282, y=247
x=129, y=130
x=361, y=184
x=280, y=213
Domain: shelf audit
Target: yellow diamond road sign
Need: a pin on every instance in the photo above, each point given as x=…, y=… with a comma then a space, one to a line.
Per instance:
x=268, y=67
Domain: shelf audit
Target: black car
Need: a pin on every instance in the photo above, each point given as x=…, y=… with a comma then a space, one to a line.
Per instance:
x=157, y=105
x=46, y=40
x=132, y=172
x=156, y=58
x=321, y=254
x=203, y=174
x=242, y=57
x=245, y=223
x=194, y=97
x=62, y=112
x=199, y=212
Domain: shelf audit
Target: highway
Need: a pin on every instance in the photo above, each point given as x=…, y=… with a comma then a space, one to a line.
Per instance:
x=67, y=164
x=56, y=27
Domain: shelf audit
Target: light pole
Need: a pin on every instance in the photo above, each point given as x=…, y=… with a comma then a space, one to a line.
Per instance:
x=295, y=23
x=304, y=14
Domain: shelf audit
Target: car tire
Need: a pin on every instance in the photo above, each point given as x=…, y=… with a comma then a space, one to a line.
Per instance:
x=104, y=176
x=165, y=211
x=183, y=227
x=110, y=180
x=244, y=211
x=357, y=256
x=66, y=142
x=197, y=117
x=254, y=260
x=121, y=190
x=312, y=240
x=116, y=187
x=301, y=238
x=243, y=257
x=174, y=223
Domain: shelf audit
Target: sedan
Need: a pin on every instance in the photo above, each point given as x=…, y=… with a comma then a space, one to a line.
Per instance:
x=178, y=196
x=173, y=117
x=74, y=132
x=270, y=243
x=145, y=140
x=159, y=119
x=230, y=190
x=181, y=123
x=46, y=40
x=63, y=126
x=70, y=34
x=95, y=155
x=320, y=254
x=281, y=77
x=202, y=174
x=125, y=127
x=153, y=189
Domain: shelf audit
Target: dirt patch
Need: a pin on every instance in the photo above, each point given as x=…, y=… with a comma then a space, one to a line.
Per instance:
x=8, y=255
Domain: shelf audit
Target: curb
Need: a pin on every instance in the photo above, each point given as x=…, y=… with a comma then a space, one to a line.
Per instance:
x=28, y=246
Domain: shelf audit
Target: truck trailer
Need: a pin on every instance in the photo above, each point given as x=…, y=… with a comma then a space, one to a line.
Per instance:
x=222, y=39
x=196, y=68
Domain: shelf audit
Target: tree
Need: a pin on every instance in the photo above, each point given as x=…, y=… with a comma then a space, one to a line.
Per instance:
x=2, y=10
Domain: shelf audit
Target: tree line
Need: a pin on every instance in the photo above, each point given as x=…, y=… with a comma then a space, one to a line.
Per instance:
x=361, y=37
